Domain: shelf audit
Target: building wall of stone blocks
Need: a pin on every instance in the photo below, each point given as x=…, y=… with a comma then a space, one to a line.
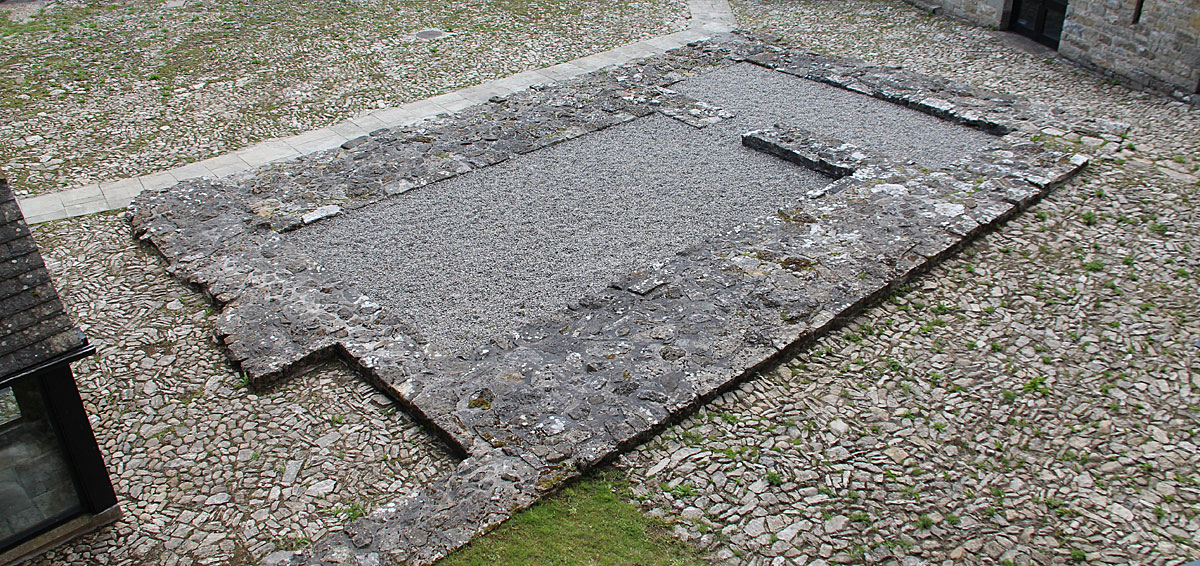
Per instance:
x=1160, y=51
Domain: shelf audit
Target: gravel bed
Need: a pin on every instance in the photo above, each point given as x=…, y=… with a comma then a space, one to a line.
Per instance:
x=1031, y=401
x=205, y=470
x=766, y=98
x=482, y=254
x=103, y=91
x=479, y=255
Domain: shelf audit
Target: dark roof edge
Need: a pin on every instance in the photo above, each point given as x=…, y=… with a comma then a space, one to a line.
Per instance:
x=75, y=354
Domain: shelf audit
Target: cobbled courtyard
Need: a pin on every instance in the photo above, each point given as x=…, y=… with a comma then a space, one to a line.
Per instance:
x=1032, y=400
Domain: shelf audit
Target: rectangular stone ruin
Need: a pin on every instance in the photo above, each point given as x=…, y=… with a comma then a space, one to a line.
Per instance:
x=552, y=277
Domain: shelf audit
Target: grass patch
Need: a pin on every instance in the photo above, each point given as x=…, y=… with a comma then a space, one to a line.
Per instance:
x=590, y=522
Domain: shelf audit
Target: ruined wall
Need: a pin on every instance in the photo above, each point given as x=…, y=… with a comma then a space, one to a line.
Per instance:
x=1160, y=51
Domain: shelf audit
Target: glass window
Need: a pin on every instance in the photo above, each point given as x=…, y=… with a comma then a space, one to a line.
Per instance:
x=1055, y=15
x=9, y=411
x=1027, y=15
x=36, y=488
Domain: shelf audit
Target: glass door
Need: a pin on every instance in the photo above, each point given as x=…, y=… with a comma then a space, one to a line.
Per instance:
x=1041, y=20
x=37, y=490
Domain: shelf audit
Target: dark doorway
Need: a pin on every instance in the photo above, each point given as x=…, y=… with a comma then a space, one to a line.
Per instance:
x=1041, y=20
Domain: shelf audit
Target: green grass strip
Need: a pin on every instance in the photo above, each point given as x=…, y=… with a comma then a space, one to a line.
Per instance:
x=589, y=523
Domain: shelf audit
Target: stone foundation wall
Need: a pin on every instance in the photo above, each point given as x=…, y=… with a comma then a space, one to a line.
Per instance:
x=1161, y=51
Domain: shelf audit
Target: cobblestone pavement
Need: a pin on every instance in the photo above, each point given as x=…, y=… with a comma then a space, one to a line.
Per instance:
x=1033, y=400
x=206, y=471
x=999, y=459
x=96, y=92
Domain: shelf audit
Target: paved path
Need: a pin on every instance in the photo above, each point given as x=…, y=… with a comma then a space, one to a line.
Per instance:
x=707, y=17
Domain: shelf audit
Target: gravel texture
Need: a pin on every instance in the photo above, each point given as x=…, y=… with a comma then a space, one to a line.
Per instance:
x=482, y=254
x=95, y=92
x=766, y=98
x=1032, y=401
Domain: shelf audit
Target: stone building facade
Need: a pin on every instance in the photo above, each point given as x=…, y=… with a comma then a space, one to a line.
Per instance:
x=1150, y=43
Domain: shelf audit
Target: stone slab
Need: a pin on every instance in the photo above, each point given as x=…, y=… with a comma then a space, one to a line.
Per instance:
x=84, y=194
x=156, y=181
x=263, y=153
x=119, y=194
x=42, y=208
x=193, y=171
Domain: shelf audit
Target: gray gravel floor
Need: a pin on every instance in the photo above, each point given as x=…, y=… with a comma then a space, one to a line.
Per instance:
x=766, y=97
x=479, y=255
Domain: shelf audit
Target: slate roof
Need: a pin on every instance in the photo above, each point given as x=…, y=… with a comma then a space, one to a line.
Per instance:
x=34, y=326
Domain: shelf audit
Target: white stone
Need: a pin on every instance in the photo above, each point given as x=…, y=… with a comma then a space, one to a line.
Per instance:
x=756, y=527
x=278, y=557
x=891, y=189
x=290, y=472
x=836, y=524
x=321, y=488
x=839, y=427
x=658, y=467
x=1120, y=511
x=327, y=439
x=790, y=532
x=897, y=454
x=949, y=209
x=321, y=213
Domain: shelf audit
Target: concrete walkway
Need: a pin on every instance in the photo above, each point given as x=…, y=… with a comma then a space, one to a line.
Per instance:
x=708, y=17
